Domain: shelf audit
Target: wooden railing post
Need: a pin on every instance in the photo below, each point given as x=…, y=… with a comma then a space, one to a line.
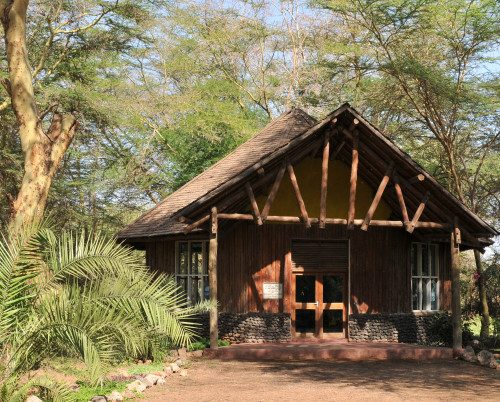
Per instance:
x=455, y=290
x=212, y=274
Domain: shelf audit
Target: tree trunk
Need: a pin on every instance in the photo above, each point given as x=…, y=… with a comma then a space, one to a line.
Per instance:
x=42, y=152
x=485, y=319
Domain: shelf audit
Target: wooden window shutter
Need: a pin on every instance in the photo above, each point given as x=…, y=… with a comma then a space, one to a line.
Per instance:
x=320, y=255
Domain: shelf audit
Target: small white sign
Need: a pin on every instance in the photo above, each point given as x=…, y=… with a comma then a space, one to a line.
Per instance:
x=273, y=290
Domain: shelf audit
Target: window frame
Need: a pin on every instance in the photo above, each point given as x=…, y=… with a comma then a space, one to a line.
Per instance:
x=421, y=278
x=189, y=275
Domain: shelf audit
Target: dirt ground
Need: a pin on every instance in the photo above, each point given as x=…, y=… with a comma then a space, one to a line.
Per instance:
x=215, y=380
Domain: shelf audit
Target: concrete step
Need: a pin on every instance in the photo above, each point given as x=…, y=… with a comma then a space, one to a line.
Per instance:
x=353, y=351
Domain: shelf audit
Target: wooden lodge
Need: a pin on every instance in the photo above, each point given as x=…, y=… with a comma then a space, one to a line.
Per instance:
x=315, y=229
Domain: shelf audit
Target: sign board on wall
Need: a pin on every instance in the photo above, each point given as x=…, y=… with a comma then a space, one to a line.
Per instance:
x=273, y=290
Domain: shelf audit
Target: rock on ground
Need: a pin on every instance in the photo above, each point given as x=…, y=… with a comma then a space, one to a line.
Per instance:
x=153, y=379
x=33, y=398
x=136, y=386
x=115, y=396
x=99, y=398
x=128, y=394
x=485, y=357
x=469, y=355
x=173, y=366
x=146, y=382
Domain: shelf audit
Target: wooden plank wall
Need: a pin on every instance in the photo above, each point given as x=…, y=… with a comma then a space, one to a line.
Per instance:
x=250, y=255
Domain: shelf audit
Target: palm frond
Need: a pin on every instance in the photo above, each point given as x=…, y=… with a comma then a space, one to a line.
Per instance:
x=49, y=388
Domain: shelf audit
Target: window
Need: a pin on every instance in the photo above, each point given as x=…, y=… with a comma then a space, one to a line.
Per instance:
x=191, y=269
x=425, y=277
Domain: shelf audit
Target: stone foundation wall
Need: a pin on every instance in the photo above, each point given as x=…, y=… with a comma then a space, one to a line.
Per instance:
x=403, y=327
x=249, y=327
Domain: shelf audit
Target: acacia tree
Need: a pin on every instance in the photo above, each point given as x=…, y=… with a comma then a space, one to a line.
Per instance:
x=42, y=149
x=59, y=67
x=430, y=73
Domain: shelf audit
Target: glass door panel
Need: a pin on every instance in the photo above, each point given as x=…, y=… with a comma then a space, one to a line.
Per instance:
x=333, y=288
x=333, y=321
x=305, y=321
x=305, y=289
x=319, y=305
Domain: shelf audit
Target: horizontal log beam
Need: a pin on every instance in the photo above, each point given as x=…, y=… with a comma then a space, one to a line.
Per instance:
x=338, y=221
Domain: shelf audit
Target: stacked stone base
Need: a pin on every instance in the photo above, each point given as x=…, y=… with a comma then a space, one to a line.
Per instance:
x=276, y=327
x=403, y=327
x=249, y=327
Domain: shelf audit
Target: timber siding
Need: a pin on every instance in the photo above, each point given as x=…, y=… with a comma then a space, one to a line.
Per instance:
x=249, y=255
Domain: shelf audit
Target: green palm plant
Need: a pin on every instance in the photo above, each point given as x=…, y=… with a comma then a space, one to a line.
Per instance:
x=84, y=294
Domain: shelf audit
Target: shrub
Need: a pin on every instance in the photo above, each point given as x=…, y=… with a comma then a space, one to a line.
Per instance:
x=442, y=330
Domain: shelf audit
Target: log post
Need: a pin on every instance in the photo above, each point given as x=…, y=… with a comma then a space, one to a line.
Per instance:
x=353, y=183
x=324, y=182
x=212, y=274
x=455, y=291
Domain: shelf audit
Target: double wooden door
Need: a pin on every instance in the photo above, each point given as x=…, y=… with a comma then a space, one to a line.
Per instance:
x=319, y=304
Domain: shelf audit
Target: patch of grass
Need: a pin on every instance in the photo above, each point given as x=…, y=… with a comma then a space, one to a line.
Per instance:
x=67, y=366
x=86, y=391
x=204, y=343
x=145, y=369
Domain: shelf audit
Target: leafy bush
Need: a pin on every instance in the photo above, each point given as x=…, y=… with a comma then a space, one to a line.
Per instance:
x=442, y=330
x=84, y=295
x=204, y=343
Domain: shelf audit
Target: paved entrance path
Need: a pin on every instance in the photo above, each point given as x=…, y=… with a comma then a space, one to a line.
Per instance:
x=217, y=380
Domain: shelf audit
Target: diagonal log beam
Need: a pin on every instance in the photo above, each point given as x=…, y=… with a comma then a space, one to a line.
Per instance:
x=418, y=213
x=253, y=202
x=353, y=182
x=377, y=198
x=411, y=191
x=324, y=182
x=194, y=225
x=272, y=194
x=337, y=150
x=401, y=200
x=300, y=200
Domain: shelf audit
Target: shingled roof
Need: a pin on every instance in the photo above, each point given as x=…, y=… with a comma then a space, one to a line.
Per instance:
x=158, y=221
x=286, y=136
